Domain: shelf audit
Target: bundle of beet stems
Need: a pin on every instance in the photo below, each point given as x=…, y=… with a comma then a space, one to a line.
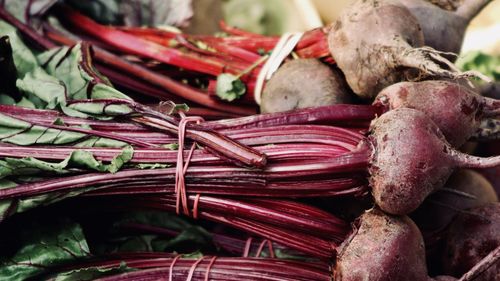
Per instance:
x=177, y=57
x=303, y=161
x=319, y=160
x=156, y=266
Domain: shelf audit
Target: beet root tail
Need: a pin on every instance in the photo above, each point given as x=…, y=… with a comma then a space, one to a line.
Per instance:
x=430, y=62
x=463, y=160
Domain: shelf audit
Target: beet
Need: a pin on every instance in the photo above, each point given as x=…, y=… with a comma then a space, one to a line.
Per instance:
x=493, y=174
x=304, y=83
x=444, y=29
x=412, y=159
x=472, y=236
x=383, y=247
x=456, y=109
x=464, y=189
x=377, y=43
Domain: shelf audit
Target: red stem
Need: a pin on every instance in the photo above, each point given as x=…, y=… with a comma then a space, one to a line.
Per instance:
x=163, y=82
x=137, y=46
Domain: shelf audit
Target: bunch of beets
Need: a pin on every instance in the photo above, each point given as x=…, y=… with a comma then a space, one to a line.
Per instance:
x=359, y=167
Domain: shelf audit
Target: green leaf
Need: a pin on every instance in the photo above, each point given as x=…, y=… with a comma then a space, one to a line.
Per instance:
x=193, y=255
x=171, y=146
x=45, y=91
x=8, y=70
x=24, y=58
x=19, y=132
x=15, y=131
x=155, y=218
x=121, y=159
x=53, y=79
x=193, y=235
x=10, y=207
x=91, y=273
x=6, y=99
x=18, y=8
x=44, y=245
x=5, y=205
x=102, y=11
x=77, y=159
x=94, y=141
x=188, y=234
x=68, y=75
x=486, y=64
x=148, y=166
x=135, y=13
x=229, y=87
x=169, y=107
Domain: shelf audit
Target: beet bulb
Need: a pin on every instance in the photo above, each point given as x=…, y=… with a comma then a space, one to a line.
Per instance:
x=412, y=159
x=456, y=109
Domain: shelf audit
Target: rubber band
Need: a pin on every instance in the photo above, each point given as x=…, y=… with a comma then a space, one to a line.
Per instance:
x=261, y=248
x=193, y=268
x=209, y=266
x=182, y=166
x=248, y=245
x=271, y=249
x=195, y=206
x=170, y=273
x=283, y=48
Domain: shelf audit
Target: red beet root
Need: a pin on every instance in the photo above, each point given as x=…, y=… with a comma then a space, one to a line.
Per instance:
x=412, y=159
x=382, y=248
x=456, y=109
x=379, y=42
x=471, y=238
x=304, y=83
x=385, y=247
x=444, y=29
x=465, y=189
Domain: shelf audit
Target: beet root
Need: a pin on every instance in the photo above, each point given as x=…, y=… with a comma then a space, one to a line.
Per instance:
x=412, y=159
x=304, y=83
x=465, y=189
x=455, y=108
x=382, y=248
x=444, y=29
x=472, y=236
x=377, y=43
